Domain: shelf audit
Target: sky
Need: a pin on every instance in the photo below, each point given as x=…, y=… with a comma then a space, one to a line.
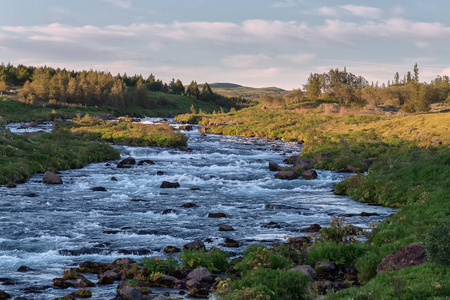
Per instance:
x=257, y=43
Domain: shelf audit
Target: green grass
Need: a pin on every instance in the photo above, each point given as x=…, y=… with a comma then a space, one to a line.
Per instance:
x=21, y=157
x=161, y=135
x=235, y=90
x=14, y=111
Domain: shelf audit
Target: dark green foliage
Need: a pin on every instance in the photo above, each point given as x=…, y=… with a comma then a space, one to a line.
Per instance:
x=274, y=283
x=341, y=254
x=420, y=282
x=437, y=242
x=164, y=266
x=214, y=261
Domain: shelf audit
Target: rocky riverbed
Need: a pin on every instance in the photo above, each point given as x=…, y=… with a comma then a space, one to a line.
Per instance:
x=104, y=212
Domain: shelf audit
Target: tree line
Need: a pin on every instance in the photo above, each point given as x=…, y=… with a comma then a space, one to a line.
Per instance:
x=407, y=93
x=96, y=88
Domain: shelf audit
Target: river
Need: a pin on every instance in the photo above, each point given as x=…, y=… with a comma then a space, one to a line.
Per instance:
x=52, y=227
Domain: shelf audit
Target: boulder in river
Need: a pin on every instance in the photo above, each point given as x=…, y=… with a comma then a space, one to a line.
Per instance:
x=171, y=249
x=217, y=215
x=312, y=228
x=305, y=164
x=169, y=185
x=201, y=274
x=24, y=269
x=160, y=173
x=4, y=295
x=230, y=243
x=130, y=293
x=272, y=225
x=278, y=206
x=286, y=175
x=309, y=175
x=146, y=161
x=188, y=205
x=108, y=277
x=366, y=214
x=52, y=178
x=411, y=255
x=274, y=167
x=197, y=245
x=33, y=124
x=98, y=189
x=226, y=228
x=126, y=162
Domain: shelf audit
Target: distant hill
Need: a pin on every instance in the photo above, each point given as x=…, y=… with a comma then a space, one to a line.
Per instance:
x=236, y=90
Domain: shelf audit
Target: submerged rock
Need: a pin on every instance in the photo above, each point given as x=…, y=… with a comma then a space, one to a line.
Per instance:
x=188, y=205
x=286, y=175
x=52, y=178
x=278, y=206
x=217, y=215
x=98, y=189
x=4, y=295
x=24, y=269
x=312, y=228
x=169, y=185
x=309, y=175
x=272, y=225
x=226, y=228
x=146, y=161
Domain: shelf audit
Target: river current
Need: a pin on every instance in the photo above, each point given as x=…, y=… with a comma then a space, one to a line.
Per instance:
x=52, y=227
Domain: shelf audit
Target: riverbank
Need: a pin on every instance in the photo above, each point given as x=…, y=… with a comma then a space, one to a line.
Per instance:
x=402, y=173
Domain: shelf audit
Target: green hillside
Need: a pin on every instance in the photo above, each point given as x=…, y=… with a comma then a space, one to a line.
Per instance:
x=236, y=90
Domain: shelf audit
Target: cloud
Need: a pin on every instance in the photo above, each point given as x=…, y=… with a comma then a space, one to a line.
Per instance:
x=283, y=4
x=300, y=58
x=363, y=11
x=245, y=61
x=328, y=11
x=124, y=4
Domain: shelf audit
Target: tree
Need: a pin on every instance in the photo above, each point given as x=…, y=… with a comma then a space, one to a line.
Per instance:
x=177, y=87
x=397, y=78
x=296, y=95
x=416, y=73
x=313, y=87
x=207, y=93
x=192, y=90
x=2, y=87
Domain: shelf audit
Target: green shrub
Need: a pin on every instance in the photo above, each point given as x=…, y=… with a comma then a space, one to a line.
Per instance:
x=257, y=256
x=437, y=243
x=158, y=265
x=341, y=254
x=214, y=261
x=265, y=283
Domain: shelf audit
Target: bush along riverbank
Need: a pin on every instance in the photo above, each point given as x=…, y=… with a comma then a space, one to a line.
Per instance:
x=406, y=256
x=127, y=132
x=22, y=156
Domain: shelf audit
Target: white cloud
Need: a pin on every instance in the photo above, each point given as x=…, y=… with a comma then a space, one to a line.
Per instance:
x=363, y=11
x=328, y=11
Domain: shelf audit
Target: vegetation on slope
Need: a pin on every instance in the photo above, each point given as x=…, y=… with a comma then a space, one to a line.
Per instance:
x=235, y=90
x=21, y=156
x=408, y=167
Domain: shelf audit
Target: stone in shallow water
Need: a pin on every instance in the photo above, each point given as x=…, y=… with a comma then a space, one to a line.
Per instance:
x=226, y=228
x=169, y=185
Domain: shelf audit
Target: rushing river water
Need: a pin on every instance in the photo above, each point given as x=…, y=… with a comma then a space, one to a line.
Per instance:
x=52, y=227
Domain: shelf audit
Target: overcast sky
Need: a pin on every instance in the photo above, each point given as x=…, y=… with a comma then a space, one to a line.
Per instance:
x=256, y=43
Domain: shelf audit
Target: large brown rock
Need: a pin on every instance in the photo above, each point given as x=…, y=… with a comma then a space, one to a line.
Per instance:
x=130, y=293
x=171, y=249
x=52, y=178
x=108, y=277
x=128, y=161
x=4, y=295
x=286, y=175
x=226, y=228
x=411, y=255
x=305, y=164
x=197, y=245
x=312, y=228
x=309, y=175
x=201, y=274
